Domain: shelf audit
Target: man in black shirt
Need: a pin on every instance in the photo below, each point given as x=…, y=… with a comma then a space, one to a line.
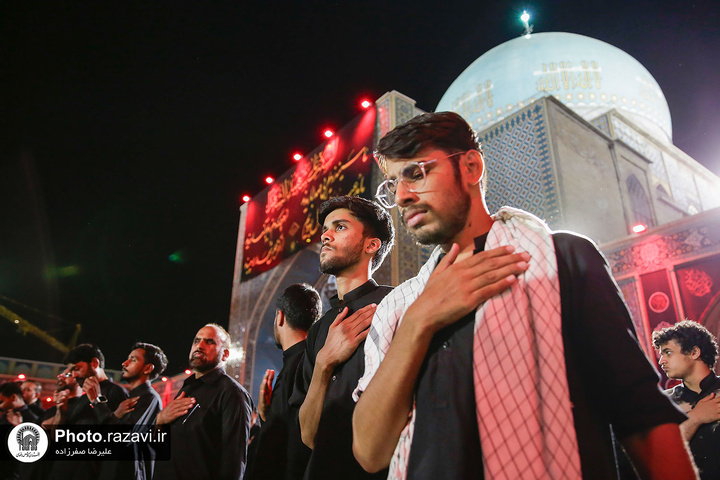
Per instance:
x=357, y=234
x=210, y=417
x=280, y=453
x=434, y=338
x=688, y=352
x=102, y=396
x=31, y=394
x=13, y=408
x=144, y=363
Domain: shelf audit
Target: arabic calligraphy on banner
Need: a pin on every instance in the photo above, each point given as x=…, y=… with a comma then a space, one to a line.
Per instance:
x=283, y=218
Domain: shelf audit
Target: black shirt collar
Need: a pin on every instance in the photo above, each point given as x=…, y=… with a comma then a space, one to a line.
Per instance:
x=210, y=377
x=708, y=382
x=143, y=387
x=294, y=349
x=360, y=291
x=480, y=242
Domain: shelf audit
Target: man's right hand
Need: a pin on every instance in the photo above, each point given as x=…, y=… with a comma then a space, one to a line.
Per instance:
x=345, y=335
x=456, y=288
x=175, y=409
x=266, y=394
x=126, y=406
x=61, y=399
x=706, y=410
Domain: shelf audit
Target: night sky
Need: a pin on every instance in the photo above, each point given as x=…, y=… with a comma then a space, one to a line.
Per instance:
x=129, y=130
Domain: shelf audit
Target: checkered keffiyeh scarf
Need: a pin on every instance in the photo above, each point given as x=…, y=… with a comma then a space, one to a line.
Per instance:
x=522, y=399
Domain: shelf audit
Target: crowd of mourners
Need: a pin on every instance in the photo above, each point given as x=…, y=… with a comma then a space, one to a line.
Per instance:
x=510, y=355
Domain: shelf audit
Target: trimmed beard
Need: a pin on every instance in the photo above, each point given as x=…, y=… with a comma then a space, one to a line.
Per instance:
x=447, y=228
x=339, y=264
x=203, y=367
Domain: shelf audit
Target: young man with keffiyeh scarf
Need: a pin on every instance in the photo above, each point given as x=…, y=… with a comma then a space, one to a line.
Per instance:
x=511, y=355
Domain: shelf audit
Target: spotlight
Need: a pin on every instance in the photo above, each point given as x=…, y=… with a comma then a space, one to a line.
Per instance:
x=188, y=371
x=365, y=103
x=639, y=228
x=164, y=379
x=21, y=376
x=245, y=198
x=328, y=133
x=297, y=157
x=269, y=179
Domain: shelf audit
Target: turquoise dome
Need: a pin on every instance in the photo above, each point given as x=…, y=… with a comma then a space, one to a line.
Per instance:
x=587, y=75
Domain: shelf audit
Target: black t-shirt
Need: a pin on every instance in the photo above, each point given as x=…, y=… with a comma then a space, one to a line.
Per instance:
x=332, y=455
x=611, y=382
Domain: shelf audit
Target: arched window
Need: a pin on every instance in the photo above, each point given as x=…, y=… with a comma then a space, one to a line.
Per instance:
x=639, y=202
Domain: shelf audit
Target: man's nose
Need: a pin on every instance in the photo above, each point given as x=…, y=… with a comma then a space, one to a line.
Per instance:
x=325, y=237
x=403, y=195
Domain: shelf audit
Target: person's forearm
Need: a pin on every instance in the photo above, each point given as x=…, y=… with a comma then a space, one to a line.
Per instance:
x=382, y=410
x=311, y=408
x=661, y=442
x=689, y=427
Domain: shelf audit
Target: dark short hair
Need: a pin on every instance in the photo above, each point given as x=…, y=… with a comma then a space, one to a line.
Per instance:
x=154, y=355
x=85, y=353
x=689, y=334
x=301, y=305
x=9, y=389
x=446, y=131
x=376, y=221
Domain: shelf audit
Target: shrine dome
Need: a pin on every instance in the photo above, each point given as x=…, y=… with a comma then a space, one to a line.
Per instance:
x=587, y=75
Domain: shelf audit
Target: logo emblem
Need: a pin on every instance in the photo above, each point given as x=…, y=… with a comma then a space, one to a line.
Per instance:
x=27, y=442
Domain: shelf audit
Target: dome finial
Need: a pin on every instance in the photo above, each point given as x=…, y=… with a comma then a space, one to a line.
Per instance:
x=525, y=18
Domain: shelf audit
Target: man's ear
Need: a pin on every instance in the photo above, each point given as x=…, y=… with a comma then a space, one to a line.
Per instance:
x=695, y=352
x=475, y=166
x=279, y=318
x=372, y=245
x=226, y=354
x=148, y=368
x=95, y=363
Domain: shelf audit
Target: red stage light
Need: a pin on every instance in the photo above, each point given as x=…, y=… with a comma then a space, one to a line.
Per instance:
x=269, y=179
x=49, y=399
x=639, y=228
x=328, y=133
x=164, y=379
x=297, y=157
x=365, y=103
x=188, y=372
x=21, y=376
x=246, y=198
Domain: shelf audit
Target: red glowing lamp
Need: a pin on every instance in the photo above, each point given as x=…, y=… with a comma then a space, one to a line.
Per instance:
x=269, y=179
x=328, y=133
x=188, y=371
x=164, y=379
x=21, y=376
x=297, y=157
x=365, y=103
x=639, y=228
x=49, y=399
x=245, y=198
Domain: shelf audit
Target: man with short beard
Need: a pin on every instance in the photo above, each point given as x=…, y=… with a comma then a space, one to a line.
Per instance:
x=209, y=418
x=356, y=236
x=511, y=355
x=144, y=364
